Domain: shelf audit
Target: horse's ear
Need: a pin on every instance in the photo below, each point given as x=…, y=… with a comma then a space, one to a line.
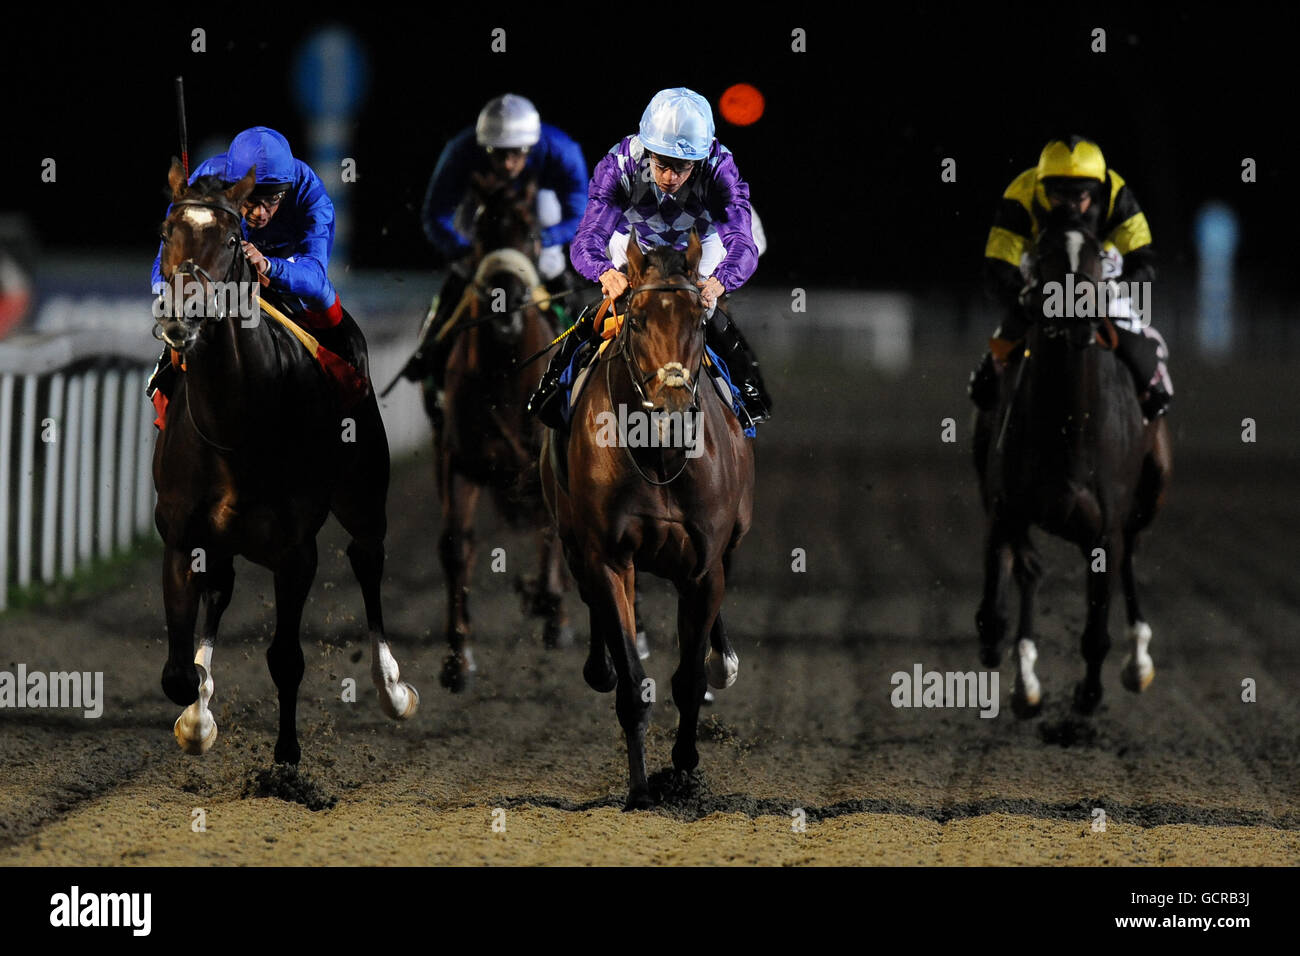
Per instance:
x=242, y=189
x=478, y=182
x=530, y=191
x=635, y=259
x=176, y=179
x=694, y=250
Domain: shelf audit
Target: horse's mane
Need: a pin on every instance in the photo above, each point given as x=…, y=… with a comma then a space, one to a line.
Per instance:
x=205, y=186
x=666, y=259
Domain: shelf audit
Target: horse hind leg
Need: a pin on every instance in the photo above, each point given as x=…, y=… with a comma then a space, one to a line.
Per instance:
x=642, y=639
x=1138, y=670
x=722, y=664
x=991, y=619
x=556, y=632
x=195, y=728
x=397, y=698
x=1027, y=693
x=284, y=657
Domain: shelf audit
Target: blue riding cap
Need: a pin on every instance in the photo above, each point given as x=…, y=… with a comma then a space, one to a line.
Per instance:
x=266, y=150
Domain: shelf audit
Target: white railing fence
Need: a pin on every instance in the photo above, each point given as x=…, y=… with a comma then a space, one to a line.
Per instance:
x=77, y=442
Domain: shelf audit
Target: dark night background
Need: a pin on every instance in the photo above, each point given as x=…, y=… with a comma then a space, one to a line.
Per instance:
x=844, y=165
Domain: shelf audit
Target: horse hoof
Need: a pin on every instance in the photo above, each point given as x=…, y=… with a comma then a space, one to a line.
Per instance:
x=288, y=753
x=455, y=677
x=1086, y=699
x=1024, y=708
x=193, y=745
x=409, y=708
x=1135, y=679
x=556, y=636
x=639, y=800
x=721, y=670
x=708, y=696
x=642, y=645
x=600, y=677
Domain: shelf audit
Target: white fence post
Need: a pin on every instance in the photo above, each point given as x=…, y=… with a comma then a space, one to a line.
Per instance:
x=26, y=476
x=71, y=437
x=50, y=494
x=6, y=430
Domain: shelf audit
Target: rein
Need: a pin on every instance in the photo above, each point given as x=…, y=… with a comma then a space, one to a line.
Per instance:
x=623, y=346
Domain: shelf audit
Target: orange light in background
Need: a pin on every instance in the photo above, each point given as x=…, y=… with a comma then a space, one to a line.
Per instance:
x=741, y=104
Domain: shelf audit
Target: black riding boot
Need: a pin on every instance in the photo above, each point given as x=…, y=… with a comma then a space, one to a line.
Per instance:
x=725, y=339
x=164, y=375
x=545, y=400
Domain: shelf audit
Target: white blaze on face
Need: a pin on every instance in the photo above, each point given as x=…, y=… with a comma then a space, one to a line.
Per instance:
x=1073, y=245
x=198, y=216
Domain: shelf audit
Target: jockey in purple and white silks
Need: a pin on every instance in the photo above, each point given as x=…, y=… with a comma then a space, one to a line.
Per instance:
x=671, y=177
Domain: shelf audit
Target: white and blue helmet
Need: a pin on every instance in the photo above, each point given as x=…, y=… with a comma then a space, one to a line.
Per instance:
x=508, y=122
x=678, y=123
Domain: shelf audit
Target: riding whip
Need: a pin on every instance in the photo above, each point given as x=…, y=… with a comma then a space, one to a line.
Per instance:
x=180, y=115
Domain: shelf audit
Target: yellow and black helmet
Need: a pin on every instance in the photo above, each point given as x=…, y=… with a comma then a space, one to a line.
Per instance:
x=1073, y=157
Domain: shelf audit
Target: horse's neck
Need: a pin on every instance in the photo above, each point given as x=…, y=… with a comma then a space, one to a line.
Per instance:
x=230, y=382
x=1062, y=393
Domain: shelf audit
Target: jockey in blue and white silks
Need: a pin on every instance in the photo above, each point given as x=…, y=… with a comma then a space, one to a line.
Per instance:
x=509, y=146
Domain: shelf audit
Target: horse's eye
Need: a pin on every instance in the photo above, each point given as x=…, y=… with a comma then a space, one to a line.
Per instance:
x=232, y=241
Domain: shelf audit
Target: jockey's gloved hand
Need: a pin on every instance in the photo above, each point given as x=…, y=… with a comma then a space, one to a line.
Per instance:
x=1112, y=263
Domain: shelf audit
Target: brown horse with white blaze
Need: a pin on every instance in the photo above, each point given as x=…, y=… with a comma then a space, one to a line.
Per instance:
x=678, y=512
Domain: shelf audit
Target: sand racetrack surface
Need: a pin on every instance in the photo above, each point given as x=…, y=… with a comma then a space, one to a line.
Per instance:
x=854, y=472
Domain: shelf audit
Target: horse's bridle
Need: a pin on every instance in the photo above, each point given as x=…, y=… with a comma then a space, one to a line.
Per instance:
x=623, y=345
x=190, y=268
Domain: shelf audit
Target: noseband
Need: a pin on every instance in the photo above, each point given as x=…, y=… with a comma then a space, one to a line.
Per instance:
x=190, y=268
x=672, y=369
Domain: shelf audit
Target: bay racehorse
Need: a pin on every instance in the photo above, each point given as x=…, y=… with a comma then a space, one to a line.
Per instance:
x=487, y=440
x=677, y=510
x=1067, y=450
x=254, y=455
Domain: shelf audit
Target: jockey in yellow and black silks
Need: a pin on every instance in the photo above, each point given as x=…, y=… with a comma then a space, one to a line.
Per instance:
x=1072, y=173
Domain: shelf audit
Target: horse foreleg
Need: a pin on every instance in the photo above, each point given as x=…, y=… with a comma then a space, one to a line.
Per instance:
x=991, y=618
x=611, y=603
x=195, y=728
x=180, y=680
x=697, y=619
x=293, y=580
x=1027, y=694
x=1138, y=670
x=456, y=549
x=1095, y=643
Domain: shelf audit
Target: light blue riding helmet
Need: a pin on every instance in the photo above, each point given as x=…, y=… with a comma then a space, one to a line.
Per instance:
x=678, y=123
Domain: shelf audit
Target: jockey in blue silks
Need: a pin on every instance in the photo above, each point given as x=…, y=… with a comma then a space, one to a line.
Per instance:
x=511, y=146
x=288, y=231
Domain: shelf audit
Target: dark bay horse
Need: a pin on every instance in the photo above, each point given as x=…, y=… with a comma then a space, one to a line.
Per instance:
x=254, y=455
x=1067, y=450
x=487, y=440
x=676, y=507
